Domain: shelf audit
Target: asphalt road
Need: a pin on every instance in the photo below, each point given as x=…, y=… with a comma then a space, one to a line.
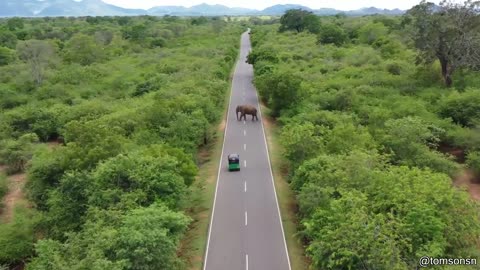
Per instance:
x=245, y=229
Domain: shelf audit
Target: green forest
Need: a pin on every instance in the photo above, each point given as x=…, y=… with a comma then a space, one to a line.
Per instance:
x=104, y=116
x=378, y=116
x=102, y=120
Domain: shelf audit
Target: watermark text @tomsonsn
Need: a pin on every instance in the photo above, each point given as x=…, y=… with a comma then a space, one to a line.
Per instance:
x=427, y=261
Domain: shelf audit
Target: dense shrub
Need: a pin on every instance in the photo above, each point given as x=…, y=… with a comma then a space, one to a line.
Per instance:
x=17, y=237
x=123, y=103
x=6, y=56
x=332, y=34
x=16, y=153
x=363, y=138
x=463, y=108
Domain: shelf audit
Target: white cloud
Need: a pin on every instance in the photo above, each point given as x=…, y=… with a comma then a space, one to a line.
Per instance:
x=261, y=4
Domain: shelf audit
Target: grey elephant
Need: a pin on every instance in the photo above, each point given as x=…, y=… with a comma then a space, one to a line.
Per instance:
x=246, y=109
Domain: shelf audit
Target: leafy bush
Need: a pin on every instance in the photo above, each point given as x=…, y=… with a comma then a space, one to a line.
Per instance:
x=16, y=153
x=143, y=238
x=6, y=56
x=394, y=68
x=281, y=90
x=463, y=108
x=17, y=237
x=371, y=32
x=332, y=34
x=357, y=197
x=82, y=49
x=264, y=54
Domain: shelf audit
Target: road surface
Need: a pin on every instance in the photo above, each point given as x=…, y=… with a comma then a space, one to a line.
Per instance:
x=245, y=229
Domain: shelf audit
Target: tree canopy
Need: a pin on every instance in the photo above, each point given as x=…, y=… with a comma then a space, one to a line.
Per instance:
x=299, y=20
x=450, y=33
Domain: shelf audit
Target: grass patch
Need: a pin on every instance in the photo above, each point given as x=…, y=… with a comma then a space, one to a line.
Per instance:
x=286, y=197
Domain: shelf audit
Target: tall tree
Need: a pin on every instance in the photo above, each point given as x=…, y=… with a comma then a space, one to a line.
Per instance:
x=299, y=20
x=37, y=53
x=450, y=33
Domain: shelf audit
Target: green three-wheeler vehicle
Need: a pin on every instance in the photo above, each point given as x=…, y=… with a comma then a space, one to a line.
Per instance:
x=234, y=162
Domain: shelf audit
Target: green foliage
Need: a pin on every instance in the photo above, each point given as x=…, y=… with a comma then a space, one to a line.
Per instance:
x=17, y=237
x=449, y=33
x=149, y=238
x=362, y=145
x=38, y=54
x=144, y=238
x=473, y=161
x=8, y=39
x=135, y=32
x=388, y=47
x=138, y=179
x=6, y=56
x=15, y=24
x=300, y=142
x=281, y=90
x=264, y=54
x=299, y=20
x=377, y=222
x=118, y=119
x=409, y=139
x=32, y=119
x=332, y=34
x=371, y=32
x=16, y=153
x=82, y=49
x=67, y=204
x=463, y=108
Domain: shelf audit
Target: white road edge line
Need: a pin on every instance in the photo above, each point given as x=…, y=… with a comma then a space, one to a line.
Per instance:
x=273, y=183
x=246, y=261
x=246, y=218
x=220, y=165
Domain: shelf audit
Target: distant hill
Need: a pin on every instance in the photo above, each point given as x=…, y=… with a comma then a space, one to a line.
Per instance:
x=200, y=10
x=374, y=10
x=280, y=9
x=42, y=8
x=27, y=8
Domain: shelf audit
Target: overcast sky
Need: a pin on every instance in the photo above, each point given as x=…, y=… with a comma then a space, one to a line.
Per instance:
x=261, y=4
